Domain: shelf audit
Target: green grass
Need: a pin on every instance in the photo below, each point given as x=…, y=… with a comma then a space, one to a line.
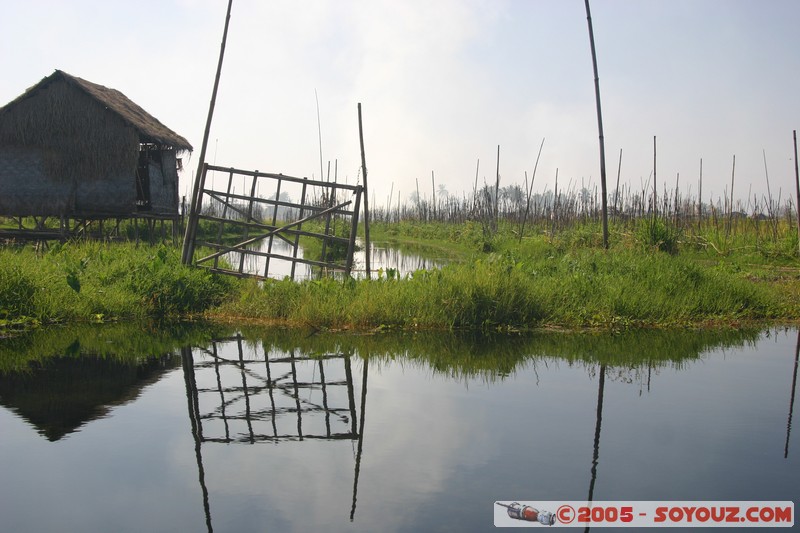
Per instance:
x=582, y=288
x=547, y=279
x=102, y=282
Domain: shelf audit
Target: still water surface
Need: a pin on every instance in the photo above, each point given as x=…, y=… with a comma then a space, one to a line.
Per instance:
x=382, y=258
x=113, y=429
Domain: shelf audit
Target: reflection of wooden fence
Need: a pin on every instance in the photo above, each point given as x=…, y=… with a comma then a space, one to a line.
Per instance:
x=249, y=399
x=246, y=224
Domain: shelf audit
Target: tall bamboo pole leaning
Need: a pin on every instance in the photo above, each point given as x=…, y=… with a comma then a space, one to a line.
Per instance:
x=367, y=252
x=194, y=209
x=797, y=184
x=599, y=128
x=529, y=192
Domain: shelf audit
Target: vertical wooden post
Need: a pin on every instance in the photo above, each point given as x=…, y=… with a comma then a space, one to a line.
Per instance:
x=367, y=250
x=299, y=226
x=243, y=252
x=497, y=191
x=419, y=207
x=700, y=199
x=616, y=189
x=600, y=129
x=433, y=190
x=353, y=232
x=655, y=204
x=730, y=206
x=191, y=230
x=530, y=191
x=224, y=214
x=797, y=184
x=331, y=203
x=274, y=221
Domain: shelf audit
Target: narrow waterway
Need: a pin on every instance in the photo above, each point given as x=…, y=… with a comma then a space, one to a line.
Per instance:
x=383, y=260
x=118, y=428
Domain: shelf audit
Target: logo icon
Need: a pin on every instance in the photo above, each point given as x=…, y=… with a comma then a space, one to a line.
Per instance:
x=525, y=512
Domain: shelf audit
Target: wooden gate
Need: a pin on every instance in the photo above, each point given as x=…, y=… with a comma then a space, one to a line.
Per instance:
x=250, y=222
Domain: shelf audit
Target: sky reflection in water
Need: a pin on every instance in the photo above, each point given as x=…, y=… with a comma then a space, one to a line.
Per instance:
x=210, y=438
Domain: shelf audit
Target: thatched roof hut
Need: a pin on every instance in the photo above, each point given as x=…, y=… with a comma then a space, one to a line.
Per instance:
x=70, y=147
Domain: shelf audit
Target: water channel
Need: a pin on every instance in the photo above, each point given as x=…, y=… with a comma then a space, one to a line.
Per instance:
x=130, y=428
x=382, y=259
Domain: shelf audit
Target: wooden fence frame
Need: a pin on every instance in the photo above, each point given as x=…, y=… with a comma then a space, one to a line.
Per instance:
x=235, y=215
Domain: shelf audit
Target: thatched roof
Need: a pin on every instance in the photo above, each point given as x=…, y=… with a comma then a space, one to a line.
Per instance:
x=147, y=126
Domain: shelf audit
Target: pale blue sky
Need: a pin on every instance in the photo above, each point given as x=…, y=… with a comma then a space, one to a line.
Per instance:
x=443, y=82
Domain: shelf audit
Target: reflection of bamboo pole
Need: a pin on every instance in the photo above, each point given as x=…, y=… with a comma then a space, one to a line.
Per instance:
x=270, y=387
x=791, y=398
x=197, y=432
x=247, y=415
x=596, y=455
x=360, y=437
x=296, y=395
x=221, y=393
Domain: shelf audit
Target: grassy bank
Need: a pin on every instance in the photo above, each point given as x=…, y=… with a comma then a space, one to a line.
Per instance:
x=95, y=282
x=654, y=275
x=582, y=288
x=496, y=282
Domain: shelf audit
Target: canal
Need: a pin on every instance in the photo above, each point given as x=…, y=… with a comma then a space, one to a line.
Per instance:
x=119, y=428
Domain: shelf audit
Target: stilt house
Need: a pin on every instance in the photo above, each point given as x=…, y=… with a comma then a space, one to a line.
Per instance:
x=70, y=148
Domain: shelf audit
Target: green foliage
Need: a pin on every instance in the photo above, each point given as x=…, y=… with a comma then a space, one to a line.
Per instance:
x=103, y=282
x=549, y=278
x=505, y=291
x=168, y=288
x=658, y=234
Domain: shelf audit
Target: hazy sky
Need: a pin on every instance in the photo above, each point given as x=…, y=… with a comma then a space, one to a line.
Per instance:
x=444, y=82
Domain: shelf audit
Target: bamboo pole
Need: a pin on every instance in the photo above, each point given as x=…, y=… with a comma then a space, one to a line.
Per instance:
x=367, y=251
x=655, y=206
x=191, y=229
x=616, y=189
x=700, y=199
x=797, y=184
x=730, y=206
x=530, y=191
x=433, y=188
x=475, y=187
x=497, y=191
x=599, y=128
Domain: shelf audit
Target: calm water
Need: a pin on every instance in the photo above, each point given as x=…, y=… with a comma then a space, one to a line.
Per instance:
x=382, y=258
x=113, y=429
